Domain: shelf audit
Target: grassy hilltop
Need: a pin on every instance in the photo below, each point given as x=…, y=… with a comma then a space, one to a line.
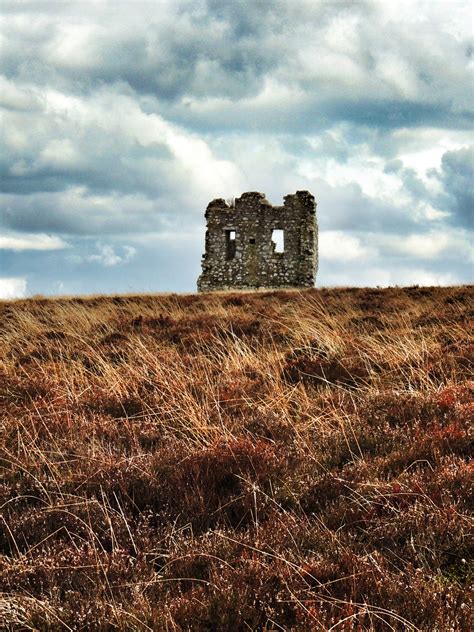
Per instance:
x=237, y=461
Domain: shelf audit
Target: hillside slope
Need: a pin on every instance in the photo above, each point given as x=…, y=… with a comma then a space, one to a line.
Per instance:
x=268, y=461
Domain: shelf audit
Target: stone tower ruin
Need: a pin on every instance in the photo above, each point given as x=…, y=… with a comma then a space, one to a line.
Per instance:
x=251, y=244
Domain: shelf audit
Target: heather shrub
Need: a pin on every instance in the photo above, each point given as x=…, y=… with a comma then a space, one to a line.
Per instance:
x=224, y=483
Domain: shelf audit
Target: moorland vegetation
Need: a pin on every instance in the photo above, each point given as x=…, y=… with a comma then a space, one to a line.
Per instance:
x=291, y=460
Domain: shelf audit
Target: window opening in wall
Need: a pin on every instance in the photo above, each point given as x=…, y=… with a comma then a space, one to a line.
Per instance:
x=278, y=239
x=230, y=244
x=252, y=240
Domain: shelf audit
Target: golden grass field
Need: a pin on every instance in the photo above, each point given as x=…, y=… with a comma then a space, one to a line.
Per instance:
x=237, y=461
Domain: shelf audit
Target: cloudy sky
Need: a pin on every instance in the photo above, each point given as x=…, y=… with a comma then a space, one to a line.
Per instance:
x=120, y=121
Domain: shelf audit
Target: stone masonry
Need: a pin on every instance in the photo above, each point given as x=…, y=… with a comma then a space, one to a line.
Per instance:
x=241, y=243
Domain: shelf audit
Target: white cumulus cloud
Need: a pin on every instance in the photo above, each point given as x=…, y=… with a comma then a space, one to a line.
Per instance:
x=336, y=245
x=38, y=241
x=107, y=255
x=12, y=287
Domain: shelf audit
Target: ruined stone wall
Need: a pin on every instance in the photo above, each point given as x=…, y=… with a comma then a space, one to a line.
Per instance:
x=240, y=252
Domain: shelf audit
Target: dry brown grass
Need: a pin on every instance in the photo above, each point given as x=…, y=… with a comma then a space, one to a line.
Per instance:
x=268, y=461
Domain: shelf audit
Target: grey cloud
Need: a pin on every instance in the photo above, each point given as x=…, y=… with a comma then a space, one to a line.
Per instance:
x=105, y=169
x=173, y=49
x=396, y=113
x=16, y=98
x=75, y=212
x=457, y=177
x=413, y=183
x=348, y=208
x=60, y=150
x=390, y=75
x=393, y=166
x=310, y=113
